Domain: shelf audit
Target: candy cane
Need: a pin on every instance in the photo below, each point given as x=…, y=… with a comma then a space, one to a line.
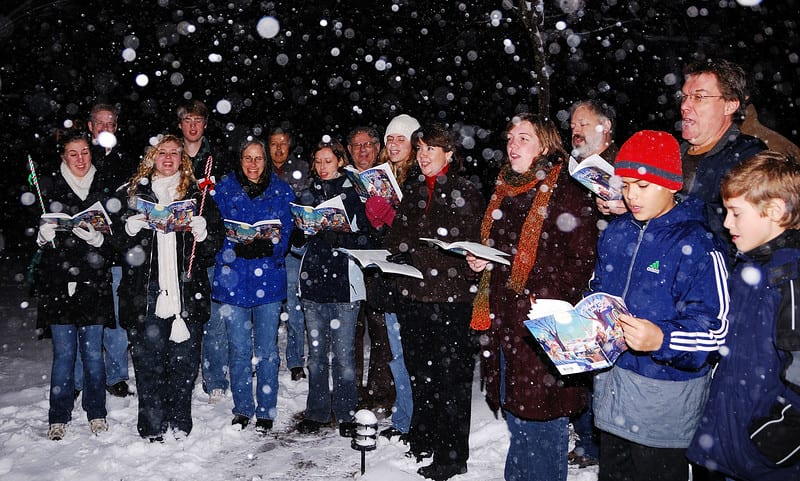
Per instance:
x=205, y=184
x=33, y=180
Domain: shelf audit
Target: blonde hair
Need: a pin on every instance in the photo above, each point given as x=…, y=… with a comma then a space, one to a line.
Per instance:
x=399, y=169
x=147, y=167
x=766, y=176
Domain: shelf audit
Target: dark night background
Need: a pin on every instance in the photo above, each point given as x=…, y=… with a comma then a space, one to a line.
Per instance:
x=338, y=64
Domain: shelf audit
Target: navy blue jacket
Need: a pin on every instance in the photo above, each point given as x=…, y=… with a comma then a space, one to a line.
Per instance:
x=749, y=385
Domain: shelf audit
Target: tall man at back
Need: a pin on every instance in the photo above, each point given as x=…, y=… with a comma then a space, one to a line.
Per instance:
x=712, y=94
x=193, y=120
x=294, y=172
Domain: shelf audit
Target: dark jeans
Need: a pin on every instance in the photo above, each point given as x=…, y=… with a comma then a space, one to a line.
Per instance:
x=439, y=350
x=165, y=373
x=623, y=460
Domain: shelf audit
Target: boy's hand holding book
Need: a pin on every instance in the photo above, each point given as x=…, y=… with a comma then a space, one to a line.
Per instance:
x=640, y=334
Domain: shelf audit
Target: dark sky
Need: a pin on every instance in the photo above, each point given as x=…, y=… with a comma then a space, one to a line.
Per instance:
x=334, y=65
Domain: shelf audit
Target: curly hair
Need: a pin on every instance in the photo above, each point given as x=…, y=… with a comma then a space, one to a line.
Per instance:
x=399, y=169
x=147, y=167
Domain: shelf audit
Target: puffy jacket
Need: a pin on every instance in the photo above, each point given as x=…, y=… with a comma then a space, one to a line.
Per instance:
x=252, y=282
x=749, y=393
x=668, y=271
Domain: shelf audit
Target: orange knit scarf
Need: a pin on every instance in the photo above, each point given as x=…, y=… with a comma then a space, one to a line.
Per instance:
x=528, y=245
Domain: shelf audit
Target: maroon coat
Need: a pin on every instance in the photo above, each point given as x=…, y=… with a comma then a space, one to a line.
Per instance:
x=534, y=390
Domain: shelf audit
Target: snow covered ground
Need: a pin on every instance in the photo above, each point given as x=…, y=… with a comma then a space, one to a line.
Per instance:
x=214, y=450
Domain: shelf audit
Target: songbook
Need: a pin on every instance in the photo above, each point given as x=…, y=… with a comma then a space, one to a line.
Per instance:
x=475, y=248
x=173, y=217
x=597, y=175
x=378, y=180
x=244, y=233
x=330, y=215
x=95, y=215
x=377, y=258
x=583, y=338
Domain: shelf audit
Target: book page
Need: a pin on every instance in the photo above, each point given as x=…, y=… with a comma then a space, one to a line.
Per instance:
x=244, y=233
x=174, y=217
x=377, y=258
x=330, y=215
x=597, y=175
x=95, y=215
x=475, y=248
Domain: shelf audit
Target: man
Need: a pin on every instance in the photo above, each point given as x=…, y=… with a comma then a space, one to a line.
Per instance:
x=712, y=95
x=111, y=166
x=364, y=144
x=592, y=125
x=295, y=172
x=193, y=120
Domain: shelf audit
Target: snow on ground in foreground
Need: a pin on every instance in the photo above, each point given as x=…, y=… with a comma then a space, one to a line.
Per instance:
x=214, y=450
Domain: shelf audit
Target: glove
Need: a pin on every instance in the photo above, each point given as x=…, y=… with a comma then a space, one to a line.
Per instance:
x=134, y=224
x=91, y=236
x=379, y=211
x=400, y=258
x=297, y=238
x=47, y=232
x=198, y=225
x=254, y=250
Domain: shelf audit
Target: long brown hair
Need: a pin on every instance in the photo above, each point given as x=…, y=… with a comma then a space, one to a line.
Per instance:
x=147, y=167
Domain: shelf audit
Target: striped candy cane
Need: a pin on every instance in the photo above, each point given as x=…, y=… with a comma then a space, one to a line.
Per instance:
x=33, y=180
x=204, y=185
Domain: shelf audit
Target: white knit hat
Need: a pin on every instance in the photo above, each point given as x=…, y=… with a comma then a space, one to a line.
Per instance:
x=401, y=125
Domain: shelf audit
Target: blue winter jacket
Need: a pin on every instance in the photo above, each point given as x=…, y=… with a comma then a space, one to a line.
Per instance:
x=252, y=282
x=750, y=390
x=669, y=272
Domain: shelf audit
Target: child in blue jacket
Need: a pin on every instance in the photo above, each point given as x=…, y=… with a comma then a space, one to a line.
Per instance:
x=662, y=260
x=750, y=429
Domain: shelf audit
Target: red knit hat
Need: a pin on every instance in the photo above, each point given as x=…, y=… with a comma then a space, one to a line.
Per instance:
x=653, y=156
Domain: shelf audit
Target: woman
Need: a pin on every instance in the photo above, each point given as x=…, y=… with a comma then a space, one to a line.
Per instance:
x=250, y=283
x=434, y=312
x=401, y=156
x=164, y=293
x=331, y=289
x=548, y=222
x=74, y=289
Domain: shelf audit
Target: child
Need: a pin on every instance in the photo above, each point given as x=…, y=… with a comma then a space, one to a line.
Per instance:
x=661, y=259
x=750, y=429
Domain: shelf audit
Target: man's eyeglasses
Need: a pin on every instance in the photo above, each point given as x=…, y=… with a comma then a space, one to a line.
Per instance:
x=364, y=145
x=681, y=97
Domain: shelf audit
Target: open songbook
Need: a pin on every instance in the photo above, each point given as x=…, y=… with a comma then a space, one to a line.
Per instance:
x=377, y=258
x=173, y=217
x=583, y=338
x=597, y=175
x=95, y=215
x=330, y=215
x=244, y=233
x=475, y=248
x=378, y=180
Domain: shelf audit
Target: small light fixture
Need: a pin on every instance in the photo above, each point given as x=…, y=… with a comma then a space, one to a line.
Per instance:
x=365, y=437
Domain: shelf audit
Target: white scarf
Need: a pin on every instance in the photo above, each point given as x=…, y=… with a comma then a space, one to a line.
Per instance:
x=168, y=303
x=78, y=185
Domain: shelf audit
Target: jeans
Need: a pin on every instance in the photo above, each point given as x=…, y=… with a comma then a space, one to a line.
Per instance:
x=115, y=344
x=538, y=449
x=68, y=341
x=331, y=340
x=403, y=402
x=295, y=320
x=253, y=338
x=165, y=372
x=215, y=348
x=588, y=435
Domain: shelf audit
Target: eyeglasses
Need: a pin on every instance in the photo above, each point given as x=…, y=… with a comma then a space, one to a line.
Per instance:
x=257, y=160
x=364, y=145
x=681, y=97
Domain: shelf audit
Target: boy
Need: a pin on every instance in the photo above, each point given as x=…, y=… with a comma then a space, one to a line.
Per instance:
x=661, y=259
x=750, y=429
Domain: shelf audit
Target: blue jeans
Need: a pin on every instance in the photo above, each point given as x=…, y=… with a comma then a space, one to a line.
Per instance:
x=331, y=331
x=403, y=402
x=215, y=347
x=253, y=337
x=538, y=449
x=295, y=321
x=68, y=340
x=115, y=343
x=586, y=444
